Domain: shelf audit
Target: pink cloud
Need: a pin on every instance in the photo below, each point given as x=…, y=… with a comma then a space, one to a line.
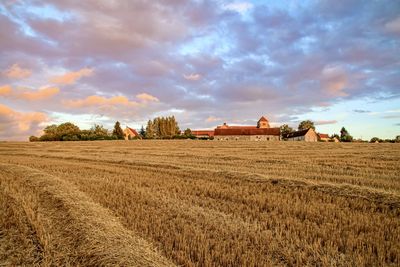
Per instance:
x=147, y=97
x=94, y=100
x=28, y=94
x=72, y=77
x=16, y=125
x=192, y=77
x=334, y=80
x=16, y=72
x=41, y=94
x=5, y=90
x=212, y=119
x=324, y=122
x=393, y=26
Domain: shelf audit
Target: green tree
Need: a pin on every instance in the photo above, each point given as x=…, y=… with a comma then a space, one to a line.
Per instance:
x=162, y=127
x=68, y=132
x=142, y=132
x=335, y=136
x=304, y=125
x=33, y=138
x=118, y=132
x=99, y=130
x=175, y=126
x=397, y=139
x=150, y=132
x=285, y=129
x=188, y=134
x=374, y=139
x=345, y=136
x=50, y=133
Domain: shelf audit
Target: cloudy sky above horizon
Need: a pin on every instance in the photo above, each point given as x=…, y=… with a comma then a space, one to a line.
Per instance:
x=205, y=62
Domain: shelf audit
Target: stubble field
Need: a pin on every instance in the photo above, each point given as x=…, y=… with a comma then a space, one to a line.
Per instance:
x=199, y=203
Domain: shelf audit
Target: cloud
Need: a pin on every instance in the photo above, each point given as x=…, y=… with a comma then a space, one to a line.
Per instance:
x=147, y=97
x=41, y=94
x=240, y=7
x=29, y=94
x=115, y=101
x=397, y=124
x=16, y=72
x=361, y=111
x=393, y=25
x=212, y=119
x=95, y=100
x=192, y=77
x=19, y=125
x=72, y=77
x=393, y=116
x=325, y=122
x=334, y=80
x=5, y=90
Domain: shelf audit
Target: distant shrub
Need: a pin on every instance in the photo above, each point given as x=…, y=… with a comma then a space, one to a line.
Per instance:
x=34, y=139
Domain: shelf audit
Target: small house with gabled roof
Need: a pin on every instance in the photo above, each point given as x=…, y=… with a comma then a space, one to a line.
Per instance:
x=308, y=135
x=130, y=133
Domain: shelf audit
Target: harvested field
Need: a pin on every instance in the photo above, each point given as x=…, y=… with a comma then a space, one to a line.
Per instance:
x=199, y=203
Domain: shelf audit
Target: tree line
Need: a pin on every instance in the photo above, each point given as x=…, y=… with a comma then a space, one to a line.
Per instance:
x=344, y=136
x=70, y=132
x=307, y=124
x=158, y=128
x=161, y=128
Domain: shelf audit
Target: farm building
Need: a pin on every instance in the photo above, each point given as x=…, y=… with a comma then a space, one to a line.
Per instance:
x=325, y=138
x=308, y=135
x=261, y=132
x=130, y=133
x=203, y=133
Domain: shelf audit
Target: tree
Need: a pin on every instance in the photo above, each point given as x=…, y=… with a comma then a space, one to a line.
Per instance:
x=162, y=127
x=150, y=130
x=304, y=125
x=63, y=132
x=285, y=129
x=118, y=132
x=345, y=136
x=97, y=132
x=33, y=138
x=174, y=126
x=375, y=139
x=68, y=132
x=142, y=132
x=50, y=133
x=335, y=136
x=187, y=132
x=397, y=140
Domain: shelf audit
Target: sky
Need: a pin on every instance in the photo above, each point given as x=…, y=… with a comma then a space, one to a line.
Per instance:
x=90, y=62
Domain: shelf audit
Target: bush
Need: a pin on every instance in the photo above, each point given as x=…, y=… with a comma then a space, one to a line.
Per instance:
x=34, y=139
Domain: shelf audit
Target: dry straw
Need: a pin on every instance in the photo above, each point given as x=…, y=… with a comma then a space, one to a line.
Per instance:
x=200, y=203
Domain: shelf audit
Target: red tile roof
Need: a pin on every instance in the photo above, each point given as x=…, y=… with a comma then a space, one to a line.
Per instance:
x=323, y=135
x=247, y=131
x=133, y=131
